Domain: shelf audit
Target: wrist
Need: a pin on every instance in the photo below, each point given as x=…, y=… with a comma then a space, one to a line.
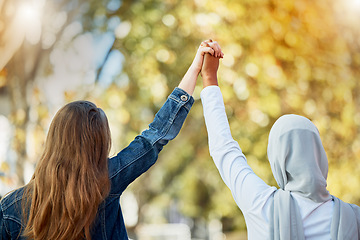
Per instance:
x=194, y=68
x=209, y=81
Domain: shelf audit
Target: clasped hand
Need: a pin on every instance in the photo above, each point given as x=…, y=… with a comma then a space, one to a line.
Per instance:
x=206, y=62
x=210, y=63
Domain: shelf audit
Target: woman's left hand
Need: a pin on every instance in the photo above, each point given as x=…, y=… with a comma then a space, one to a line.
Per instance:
x=210, y=47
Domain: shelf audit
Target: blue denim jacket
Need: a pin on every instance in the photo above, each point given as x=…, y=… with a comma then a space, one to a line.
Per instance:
x=124, y=168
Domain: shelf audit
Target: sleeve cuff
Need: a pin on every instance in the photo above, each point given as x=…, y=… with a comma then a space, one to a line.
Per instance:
x=182, y=97
x=210, y=91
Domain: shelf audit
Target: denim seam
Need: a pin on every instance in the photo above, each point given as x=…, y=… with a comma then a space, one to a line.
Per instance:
x=7, y=231
x=182, y=103
x=187, y=107
x=135, y=159
x=114, y=195
x=189, y=101
x=171, y=120
x=7, y=217
x=175, y=98
x=107, y=203
x=5, y=206
x=4, y=225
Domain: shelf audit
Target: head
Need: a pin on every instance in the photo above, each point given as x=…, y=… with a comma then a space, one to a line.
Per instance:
x=297, y=157
x=71, y=178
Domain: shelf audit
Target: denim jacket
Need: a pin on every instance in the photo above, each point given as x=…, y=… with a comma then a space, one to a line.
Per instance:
x=124, y=168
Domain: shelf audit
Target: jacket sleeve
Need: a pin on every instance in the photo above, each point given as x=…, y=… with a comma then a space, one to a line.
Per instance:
x=143, y=151
x=248, y=190
x=3, y=232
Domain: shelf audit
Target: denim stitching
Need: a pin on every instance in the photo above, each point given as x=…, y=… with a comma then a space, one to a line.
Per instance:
x=135, y=159
x=5, y=206
x=9, y=217
x=168, y=128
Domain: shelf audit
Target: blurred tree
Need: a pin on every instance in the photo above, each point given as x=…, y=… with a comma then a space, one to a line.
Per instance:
x=281, y=57
x=34, y=36
x=25, y=58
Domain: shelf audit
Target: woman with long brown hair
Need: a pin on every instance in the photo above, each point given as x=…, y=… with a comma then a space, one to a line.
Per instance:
x=75, y=190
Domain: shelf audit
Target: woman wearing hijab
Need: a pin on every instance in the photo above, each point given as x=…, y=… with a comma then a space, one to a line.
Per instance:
x=302, y=208
x=75, y=190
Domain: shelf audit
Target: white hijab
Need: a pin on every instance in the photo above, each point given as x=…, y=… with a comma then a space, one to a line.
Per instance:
x=299, y=164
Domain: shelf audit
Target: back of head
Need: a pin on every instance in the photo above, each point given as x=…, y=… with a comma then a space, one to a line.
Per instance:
x=71, y=178
x=297, y=157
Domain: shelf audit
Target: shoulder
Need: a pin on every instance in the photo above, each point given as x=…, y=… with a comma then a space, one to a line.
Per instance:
x=346, y=210
x=338, y=203
x=346, y=219
x=11, y=206
x=11, y=215
x=11, y=198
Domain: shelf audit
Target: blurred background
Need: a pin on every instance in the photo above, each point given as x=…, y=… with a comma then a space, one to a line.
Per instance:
x=281, y=56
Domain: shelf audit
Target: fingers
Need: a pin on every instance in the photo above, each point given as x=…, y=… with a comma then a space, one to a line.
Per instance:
x=205, y=44
x=209, y=50
x=215, y=46
x=205, y=48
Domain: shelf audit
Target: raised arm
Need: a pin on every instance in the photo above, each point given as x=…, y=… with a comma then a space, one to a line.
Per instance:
x=143, y=151
x=248, y=190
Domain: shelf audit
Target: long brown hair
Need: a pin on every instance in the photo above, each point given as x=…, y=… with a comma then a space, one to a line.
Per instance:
x=71, y=179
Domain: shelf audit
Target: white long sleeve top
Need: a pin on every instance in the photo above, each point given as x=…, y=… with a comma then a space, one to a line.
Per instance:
x=252, y=195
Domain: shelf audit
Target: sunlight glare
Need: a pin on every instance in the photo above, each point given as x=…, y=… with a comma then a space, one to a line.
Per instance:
x=354, y=4
x=29, y=17
x=27, y=12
